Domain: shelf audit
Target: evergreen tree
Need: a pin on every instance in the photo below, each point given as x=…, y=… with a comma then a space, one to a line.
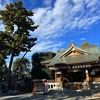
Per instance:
x=3, y=68
x=38, y=70
x=16, y=36
x=22, y=67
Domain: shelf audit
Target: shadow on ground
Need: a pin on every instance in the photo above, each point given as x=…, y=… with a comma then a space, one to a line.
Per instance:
x=54, y=95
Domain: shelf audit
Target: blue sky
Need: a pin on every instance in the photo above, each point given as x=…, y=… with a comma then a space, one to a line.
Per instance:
x=62, y=21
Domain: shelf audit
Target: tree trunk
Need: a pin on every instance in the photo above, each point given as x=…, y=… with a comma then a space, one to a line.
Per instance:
x=9, y=72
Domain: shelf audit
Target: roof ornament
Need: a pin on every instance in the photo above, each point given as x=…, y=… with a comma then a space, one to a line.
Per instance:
x=73, y=44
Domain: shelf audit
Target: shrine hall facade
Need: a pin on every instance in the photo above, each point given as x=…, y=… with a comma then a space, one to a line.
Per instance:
x=76, y=64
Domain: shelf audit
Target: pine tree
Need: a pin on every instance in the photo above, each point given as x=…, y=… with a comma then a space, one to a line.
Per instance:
x=16, y=36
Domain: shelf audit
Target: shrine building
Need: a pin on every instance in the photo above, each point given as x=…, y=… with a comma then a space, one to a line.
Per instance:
x=76, y=65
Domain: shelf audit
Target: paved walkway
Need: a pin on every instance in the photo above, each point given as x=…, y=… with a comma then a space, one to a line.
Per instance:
x=43, y=97
x=93, y=94
x=55, y=95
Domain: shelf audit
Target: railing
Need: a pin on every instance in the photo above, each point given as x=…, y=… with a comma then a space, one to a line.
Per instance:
x=69, y=86
x=54, y=86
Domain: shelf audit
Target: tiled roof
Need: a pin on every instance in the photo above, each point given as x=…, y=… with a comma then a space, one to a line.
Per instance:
x=74, y=59
x=92, y=54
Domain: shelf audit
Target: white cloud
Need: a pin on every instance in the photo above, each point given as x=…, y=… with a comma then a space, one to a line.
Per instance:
x=82, y=39
x=1, y=26
x=2, y=6
x=65, y=16
x=92, y=3
x=47, y=2
x=45, y=46
x=3, y=2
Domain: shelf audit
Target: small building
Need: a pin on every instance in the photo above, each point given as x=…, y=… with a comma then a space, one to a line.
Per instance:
x=76, y=65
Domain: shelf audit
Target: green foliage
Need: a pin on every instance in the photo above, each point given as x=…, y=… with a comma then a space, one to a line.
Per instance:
x=2, y=60
x=84, y=44
x=47, y=71
x=36, y=65
x=36, y=59
x=3, y=71
x=3, y=67
x=18, y=23
x=38, y=70
x=48, y=55
x=21, y=66
x=16, y=36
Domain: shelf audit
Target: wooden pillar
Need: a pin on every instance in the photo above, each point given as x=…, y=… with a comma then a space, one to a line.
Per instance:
x=58, y=76
x=55, y=76
x=86, y=81
x=87, y=76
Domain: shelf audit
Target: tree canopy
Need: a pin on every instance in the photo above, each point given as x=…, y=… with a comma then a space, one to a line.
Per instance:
x=84, y=44
x=16, y=37
x=38, y=70
x=48, y=55
x=3, y=68
x=22, y=66
x=17, y=23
